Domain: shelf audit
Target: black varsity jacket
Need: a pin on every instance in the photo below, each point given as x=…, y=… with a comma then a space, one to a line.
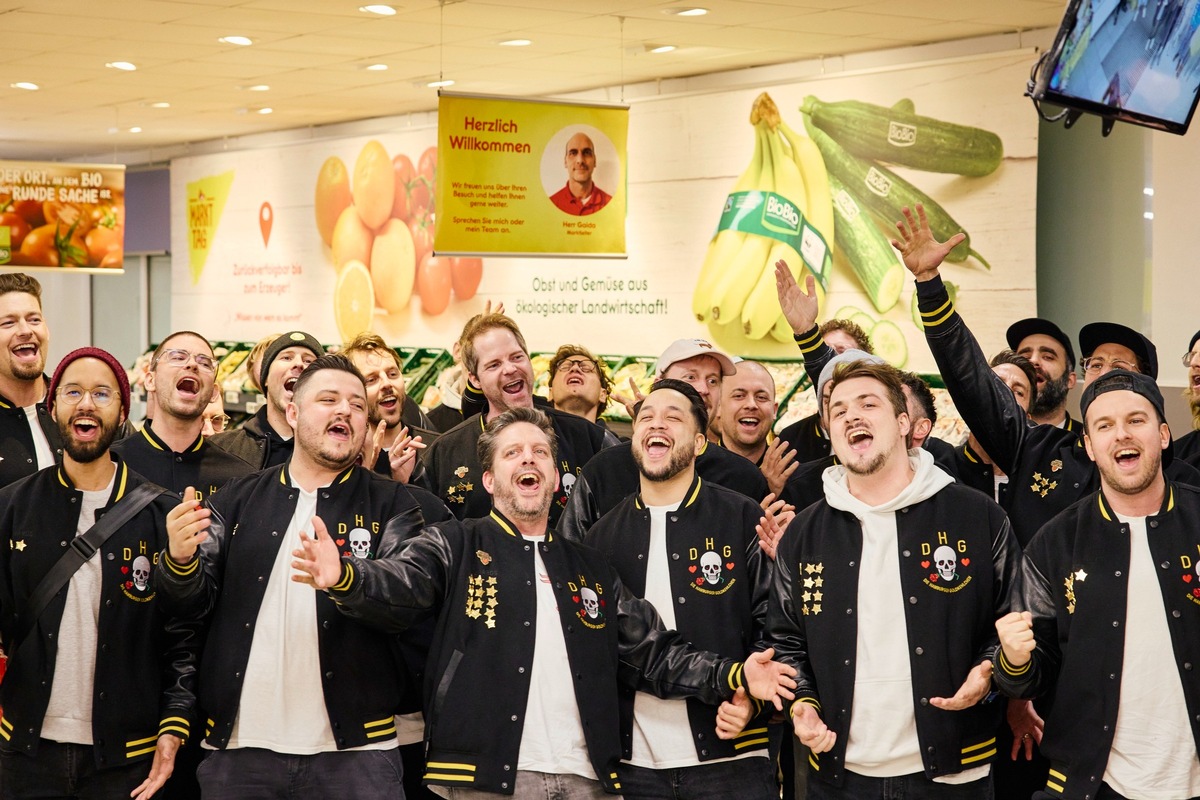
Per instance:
x=720, y=580
x=1075, y=584
x=612, y=476
x=226, y=580
x=812, y=625
x=479, y=574
x=203, y=466
x=145, y=676
x=256, y=442
x=17, y=455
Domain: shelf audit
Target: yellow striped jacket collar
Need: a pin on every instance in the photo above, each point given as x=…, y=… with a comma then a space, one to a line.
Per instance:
x=285, y=477
x=690, y=496
x=510, y=527
x=159, y=444
x=1168, y=504
x=6, y=403
x=120, y=480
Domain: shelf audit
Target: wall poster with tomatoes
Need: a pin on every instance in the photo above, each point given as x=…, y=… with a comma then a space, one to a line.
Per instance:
x=55, y=215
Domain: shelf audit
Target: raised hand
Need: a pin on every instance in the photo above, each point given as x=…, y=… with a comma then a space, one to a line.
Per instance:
x=769, y=681
x=402, y=457
x=799, y=306
x=187, y=527
x=922, y=253
x=778, y=464
x=1016, y=637
x=770, y=529
x=317, y=561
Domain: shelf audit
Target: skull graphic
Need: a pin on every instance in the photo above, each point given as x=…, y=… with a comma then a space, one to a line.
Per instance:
x=568, y=483
x=591, y=603
x=141, y=573
x=710, y=565
x=946, y=562
x=360, y=542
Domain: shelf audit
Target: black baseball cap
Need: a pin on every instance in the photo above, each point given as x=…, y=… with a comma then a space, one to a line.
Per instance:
x=1192, y=343
x=1095, y=334
x=1035, y=325
x=1122, y=380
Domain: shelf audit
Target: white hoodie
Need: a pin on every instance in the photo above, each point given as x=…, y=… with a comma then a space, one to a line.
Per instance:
x=883, y=728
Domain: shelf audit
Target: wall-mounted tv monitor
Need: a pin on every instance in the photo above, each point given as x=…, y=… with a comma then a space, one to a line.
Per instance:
x=1128, y=60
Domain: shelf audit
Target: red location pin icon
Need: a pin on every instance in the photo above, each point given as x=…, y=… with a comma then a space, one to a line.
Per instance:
x=266, y=218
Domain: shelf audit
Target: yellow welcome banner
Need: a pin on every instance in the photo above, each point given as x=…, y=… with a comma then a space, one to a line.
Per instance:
x=528, y=177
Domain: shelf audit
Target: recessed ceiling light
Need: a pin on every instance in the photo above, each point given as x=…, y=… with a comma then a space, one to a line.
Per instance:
x=686, y=12
x=378, y=8
x=662, y=48
x=258, y=87
x=266, y=111
x=135, y=129
x=241, y=41
x=516, y=43
x=439, y=84
x=376, y=67
x=121, y=65
x=26, y=85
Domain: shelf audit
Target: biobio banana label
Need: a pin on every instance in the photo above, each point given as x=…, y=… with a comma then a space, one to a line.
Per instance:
x=776, y=217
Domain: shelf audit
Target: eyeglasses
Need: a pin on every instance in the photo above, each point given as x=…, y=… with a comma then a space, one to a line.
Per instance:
x=1098, y=364
x=218, y=422
x=584, y=365
x=180, y=358
x=1189, y=357
x=72, y=394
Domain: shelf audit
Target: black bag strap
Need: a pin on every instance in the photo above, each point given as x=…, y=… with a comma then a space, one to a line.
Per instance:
x=82, y=548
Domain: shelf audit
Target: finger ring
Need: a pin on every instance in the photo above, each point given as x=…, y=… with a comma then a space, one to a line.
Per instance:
x=1027, y=736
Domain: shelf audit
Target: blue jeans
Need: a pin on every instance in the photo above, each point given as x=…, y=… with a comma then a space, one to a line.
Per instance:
x=541, y=786
x=745, y=779
x=254, y=774
x=61, y=770
x=903, y=787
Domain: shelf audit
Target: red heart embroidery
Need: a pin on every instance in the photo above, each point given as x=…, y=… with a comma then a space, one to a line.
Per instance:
x=574, y=598
x=340, y=542
x=602, y=603
x=125, y=570
x=933, y=577
x=1187, y=578
x=692, y=569
x=1196, y=592
x=966, y=562
x=924, y=565
x=728, y=565
x=699, y=581
x=128, y=584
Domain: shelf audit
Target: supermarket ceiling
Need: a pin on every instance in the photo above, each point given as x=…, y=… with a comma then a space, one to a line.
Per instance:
x=309, y=61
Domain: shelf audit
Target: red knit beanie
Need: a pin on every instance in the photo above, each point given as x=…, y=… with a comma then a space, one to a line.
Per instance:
x=90, y=352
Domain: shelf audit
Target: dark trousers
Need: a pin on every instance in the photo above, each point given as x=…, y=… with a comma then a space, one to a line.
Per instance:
x=903, y=787
x=413, y=756
x=63, y=771
x=254, y=774
x=745, y=779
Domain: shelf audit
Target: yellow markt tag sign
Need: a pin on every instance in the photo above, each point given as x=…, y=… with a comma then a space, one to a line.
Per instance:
x=205, y=203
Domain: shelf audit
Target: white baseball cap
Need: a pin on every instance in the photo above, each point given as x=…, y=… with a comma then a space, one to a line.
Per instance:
x=683, y=349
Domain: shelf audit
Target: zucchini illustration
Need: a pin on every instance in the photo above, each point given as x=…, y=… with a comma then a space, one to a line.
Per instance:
x=874, y=261
x=896, y=135
x=885, y=193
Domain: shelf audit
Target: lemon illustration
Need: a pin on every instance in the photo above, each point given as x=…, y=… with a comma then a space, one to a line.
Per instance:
x=353, y=300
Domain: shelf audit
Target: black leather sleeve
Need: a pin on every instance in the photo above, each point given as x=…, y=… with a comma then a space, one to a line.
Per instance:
x=190, y=590
x=986, y=404
x=581, y=511
x=1039, y=675
x=662, y=662
x=392, y=593
x=1006, y=580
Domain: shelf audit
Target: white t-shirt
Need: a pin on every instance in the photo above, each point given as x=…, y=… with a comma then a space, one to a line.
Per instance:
x=69, y=713
x=43, y=453
x=1153, y=755
x=552, y=738
x=282, y=706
